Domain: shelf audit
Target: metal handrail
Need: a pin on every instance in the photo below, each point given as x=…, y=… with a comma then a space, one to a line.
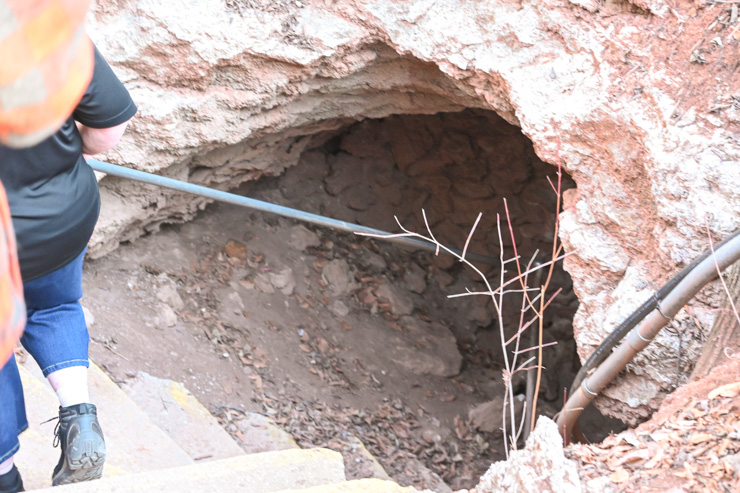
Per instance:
x=231, y=198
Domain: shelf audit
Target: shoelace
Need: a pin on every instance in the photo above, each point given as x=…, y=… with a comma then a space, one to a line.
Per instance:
x=57, y=435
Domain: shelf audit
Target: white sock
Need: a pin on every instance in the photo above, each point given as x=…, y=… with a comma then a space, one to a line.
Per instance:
x=70, y=384
x=6, y=465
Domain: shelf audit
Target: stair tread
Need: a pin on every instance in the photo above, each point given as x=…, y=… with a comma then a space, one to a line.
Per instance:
x=134, y=443
x=176, y=411
x=254, y=473
x=369, y=485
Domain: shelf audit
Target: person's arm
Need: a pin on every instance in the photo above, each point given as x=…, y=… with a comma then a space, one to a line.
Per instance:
x=97, y=140
x=104, y=111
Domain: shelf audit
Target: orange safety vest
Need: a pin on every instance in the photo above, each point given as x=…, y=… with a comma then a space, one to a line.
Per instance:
x=46, y=63
x=12, y=308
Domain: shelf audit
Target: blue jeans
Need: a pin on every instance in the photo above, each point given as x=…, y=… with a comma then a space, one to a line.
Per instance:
x=56, y=336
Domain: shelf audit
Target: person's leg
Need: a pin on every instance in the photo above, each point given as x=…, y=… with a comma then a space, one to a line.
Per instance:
x=70, y=385
x=56, y=336
x=12, y=423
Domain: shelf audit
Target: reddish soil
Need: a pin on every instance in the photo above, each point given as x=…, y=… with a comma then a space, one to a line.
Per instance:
x=691, y=444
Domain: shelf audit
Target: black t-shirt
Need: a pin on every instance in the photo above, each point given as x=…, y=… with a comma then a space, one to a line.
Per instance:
x=52, y=192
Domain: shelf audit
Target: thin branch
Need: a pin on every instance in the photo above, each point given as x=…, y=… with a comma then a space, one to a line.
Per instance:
x=472, y=230
x=539, y=364
x=509, y=391
x=385, y=237
x=535, y=317
x=719, y=273
x=537, y=347
x=521, y=368
x=521, y=423
x=429, y=229
x=488, y=293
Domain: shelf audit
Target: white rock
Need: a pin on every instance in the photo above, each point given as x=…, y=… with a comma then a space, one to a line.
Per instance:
x=540, y=466
x=339, y=309
x=167, y=293
x=167, y=317
x=302, y=238
x=283, y=280
x=415, y=278
x=399, y=300
x=338, y=276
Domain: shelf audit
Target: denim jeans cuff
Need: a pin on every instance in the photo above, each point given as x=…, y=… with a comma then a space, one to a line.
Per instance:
x=66, y=364
x=15, y=448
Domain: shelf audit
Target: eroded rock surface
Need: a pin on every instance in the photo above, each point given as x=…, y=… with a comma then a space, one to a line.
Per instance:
x=540, y=467
x=634, y=99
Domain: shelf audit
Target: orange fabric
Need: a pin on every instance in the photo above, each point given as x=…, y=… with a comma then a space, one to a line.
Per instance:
x=46, y=63
x=12, y=308
x=52, y=111
x=48, y=30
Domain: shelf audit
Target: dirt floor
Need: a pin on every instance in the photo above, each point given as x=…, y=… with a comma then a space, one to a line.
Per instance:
x=236, y=346
x=335, y=337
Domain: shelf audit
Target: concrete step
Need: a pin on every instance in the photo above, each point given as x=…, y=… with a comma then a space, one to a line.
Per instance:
x=258, y=433
x=358, y=486
x=134, y=443
x=174, y=409
x=292, y=470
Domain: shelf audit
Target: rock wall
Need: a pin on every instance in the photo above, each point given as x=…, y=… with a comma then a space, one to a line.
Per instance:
x=634, y=99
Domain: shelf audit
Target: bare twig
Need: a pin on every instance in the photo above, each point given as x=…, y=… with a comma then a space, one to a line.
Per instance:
x=540, y=346
x=472, y=230
x=719, y=274
x=539, y=363
x=521, y=423
x=426, y=223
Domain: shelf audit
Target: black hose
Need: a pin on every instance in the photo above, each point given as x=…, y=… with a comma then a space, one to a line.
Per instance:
x=616, y=336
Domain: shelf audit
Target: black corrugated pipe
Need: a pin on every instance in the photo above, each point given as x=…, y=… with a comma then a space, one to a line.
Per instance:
x=654, y=315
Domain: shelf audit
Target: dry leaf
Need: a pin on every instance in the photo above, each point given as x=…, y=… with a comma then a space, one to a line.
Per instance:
x=700, y=437
x=729, y=390
x=236, y=250
x=655, y=460
x=257, y=382
x=634, y=456
x=619, y=476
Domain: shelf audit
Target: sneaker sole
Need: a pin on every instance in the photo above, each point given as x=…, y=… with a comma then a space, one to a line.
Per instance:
x=84, y=462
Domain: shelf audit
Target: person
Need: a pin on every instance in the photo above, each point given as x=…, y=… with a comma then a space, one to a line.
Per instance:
x=46, y=64
x=54, y=203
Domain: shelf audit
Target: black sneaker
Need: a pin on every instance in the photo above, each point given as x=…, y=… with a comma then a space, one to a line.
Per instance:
x=11, y=481
x=83, y=446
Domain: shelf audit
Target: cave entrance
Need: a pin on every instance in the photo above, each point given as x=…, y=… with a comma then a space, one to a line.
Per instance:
x=453, y=166
x=446, y=352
